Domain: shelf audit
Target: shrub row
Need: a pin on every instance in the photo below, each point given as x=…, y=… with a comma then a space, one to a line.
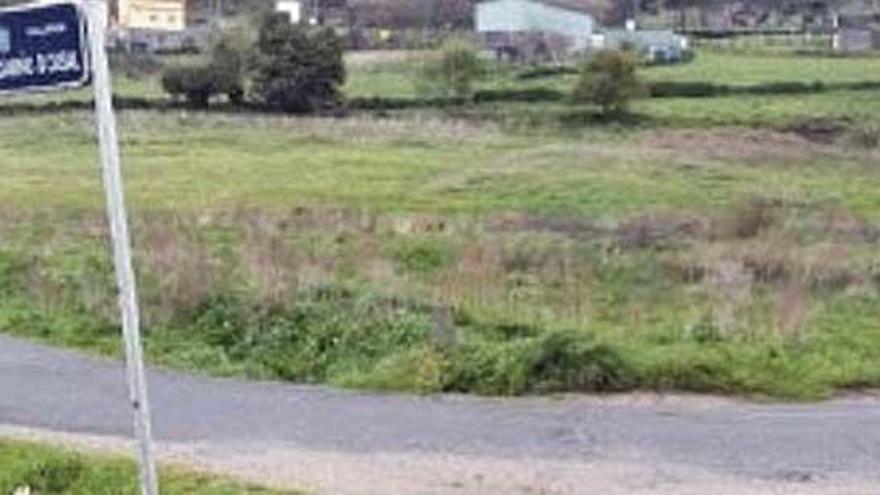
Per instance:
x=541, y=72
x=530, y=95
x=662, y=89
x=670, y=89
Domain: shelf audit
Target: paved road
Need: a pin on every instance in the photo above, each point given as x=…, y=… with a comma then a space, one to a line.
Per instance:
x=62, y=391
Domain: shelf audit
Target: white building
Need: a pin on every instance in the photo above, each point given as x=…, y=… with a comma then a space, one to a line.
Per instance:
x=293, y=8
x=520, y=28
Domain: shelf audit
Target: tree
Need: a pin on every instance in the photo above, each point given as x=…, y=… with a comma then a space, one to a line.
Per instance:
x=454, y=70
x=223, y=74
x=228, y=58
x=609, y=80
x=297, y=68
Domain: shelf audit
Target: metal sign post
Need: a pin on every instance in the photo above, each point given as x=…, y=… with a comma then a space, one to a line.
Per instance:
x=109, y=144
x=51, y=46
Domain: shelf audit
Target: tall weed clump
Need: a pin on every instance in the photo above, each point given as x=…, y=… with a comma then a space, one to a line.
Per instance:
x=453, y=71
x=531, y=360
x=609, y=81
x=510, y=305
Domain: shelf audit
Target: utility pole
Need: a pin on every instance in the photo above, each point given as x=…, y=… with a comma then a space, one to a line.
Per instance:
x=427, y=14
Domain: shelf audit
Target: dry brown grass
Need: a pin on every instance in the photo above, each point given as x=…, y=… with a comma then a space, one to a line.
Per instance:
x=515, y=265
x=177, y=270
x=355, y=129
x=735, y=144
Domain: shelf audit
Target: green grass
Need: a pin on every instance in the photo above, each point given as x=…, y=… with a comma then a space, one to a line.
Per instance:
x=398, y=78
x=321, y=250
x=495, y=249
x=763, y=111
x=49, y=471
x=198, y=162
x=751, y=69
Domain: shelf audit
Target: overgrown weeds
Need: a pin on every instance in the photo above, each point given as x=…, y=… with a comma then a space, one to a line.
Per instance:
x=503, y=305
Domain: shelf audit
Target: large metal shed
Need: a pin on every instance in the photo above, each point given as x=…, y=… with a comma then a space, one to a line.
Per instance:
x=528, y=29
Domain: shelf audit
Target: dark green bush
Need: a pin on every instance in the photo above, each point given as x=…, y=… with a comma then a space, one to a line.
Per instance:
x=669, y=89
x=54, y=476
x=223, y=74
x=196, y=84
x=229, y=58
x=699, y=89
x=784, y=88
x=609, y=81
x=529, y=95
x=321, y=335
x=542, y=72
x=297, y=69
x=550, y=361
x=453, y=71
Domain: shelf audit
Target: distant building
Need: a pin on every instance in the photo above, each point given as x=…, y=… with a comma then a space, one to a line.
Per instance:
x=204, y=12
x=293, y=9
x=655, y=45
x=534, y=29
x=853, y=40
x=163, y=25
x=159, y=15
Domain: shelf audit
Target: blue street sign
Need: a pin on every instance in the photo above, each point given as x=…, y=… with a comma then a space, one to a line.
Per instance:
x=43, y=47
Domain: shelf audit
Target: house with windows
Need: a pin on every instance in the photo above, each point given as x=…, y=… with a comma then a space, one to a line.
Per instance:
x=157, y=25
x=162, y=15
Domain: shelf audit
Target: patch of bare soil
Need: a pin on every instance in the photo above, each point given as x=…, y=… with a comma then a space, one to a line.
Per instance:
x=823, y=131
x=735, y=144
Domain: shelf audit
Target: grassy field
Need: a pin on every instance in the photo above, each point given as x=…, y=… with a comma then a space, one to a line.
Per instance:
x=434, y=255
x=398, y=76
x=717, y=245
x=746, y=69
x=49, y=471
x=430, y=165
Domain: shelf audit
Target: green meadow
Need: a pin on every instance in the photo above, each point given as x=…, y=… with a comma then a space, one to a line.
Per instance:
x=724, y=244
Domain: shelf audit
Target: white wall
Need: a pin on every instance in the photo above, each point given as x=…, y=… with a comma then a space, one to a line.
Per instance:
x=501, y=16
x=293, y=8
x=532, y=15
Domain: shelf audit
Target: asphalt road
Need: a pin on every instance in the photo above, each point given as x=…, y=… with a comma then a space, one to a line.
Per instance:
x=57, y=390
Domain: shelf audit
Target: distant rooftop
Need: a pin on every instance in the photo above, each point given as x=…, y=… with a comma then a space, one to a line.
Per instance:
x=597, y=8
